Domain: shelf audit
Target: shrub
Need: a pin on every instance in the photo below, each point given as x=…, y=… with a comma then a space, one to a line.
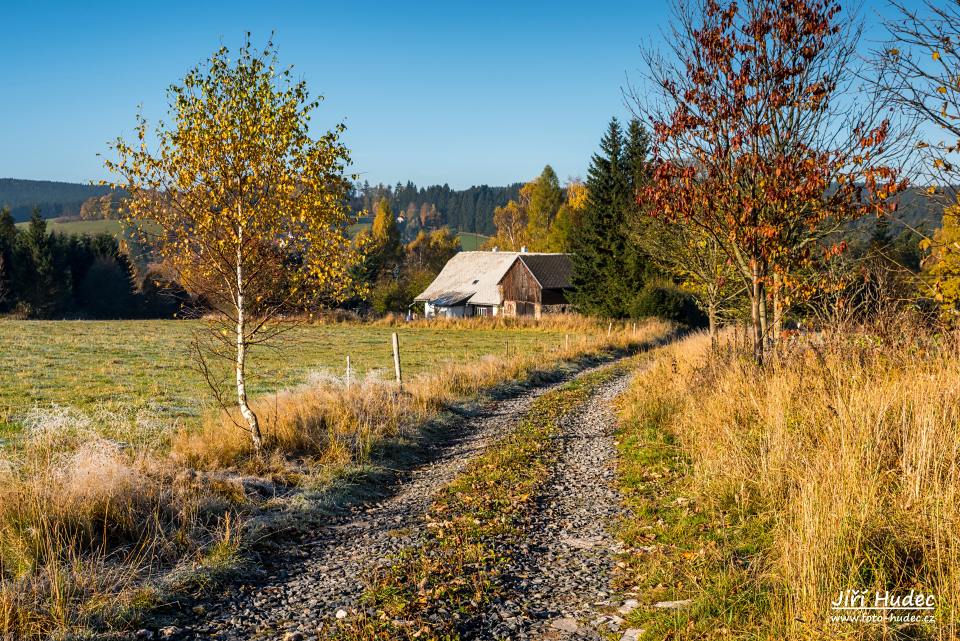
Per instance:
x=106, y=290
x=661, y=299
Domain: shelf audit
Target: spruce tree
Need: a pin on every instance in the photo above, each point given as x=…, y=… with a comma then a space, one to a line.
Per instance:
x=636, y=156
x=593, y=245
x=8, y=236
x=41, y=285
x=609, y=268
x=880, y=238
x=634, y=269
x=8, y=228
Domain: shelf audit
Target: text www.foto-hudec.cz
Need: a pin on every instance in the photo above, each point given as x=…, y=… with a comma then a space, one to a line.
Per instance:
x=883, y=606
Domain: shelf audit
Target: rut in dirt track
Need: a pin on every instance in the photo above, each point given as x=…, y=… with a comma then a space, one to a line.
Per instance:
x=303, y=584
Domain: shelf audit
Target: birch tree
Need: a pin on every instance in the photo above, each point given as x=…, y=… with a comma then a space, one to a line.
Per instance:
x=245, y=207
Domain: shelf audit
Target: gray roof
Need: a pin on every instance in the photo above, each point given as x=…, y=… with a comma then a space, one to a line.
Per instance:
x=473, y=277
x=469, y=277
x=552, y=271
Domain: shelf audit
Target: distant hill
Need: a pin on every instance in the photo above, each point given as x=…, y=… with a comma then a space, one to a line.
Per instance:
x=916, y=212
x=54, y=199
x=919, y=211
x=467, y=210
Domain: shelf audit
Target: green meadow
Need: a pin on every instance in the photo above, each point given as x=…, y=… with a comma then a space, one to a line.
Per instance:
x=80, y=227
x=132, y=366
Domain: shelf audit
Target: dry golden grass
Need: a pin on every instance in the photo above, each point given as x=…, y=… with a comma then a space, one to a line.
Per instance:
x=96, y=509
x=849, y=451
x=569, y=322
x=83, y=519
x=333, y=424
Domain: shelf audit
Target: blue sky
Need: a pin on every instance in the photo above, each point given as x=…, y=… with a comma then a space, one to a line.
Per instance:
x=434, y=92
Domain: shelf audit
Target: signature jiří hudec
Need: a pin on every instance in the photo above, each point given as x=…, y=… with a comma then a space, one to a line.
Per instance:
x=883, y=600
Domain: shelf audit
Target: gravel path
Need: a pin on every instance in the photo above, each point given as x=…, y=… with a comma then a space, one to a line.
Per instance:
x=559, y=584
x=299, y=589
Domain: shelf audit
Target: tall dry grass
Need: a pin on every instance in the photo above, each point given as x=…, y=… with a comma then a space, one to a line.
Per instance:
x=87, y=518
x=557, y=322
x=331, y=424
x=851, y=449
x=97, y=510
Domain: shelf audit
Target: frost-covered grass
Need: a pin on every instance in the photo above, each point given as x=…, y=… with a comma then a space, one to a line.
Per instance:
x=135, y=366
x=101, y=505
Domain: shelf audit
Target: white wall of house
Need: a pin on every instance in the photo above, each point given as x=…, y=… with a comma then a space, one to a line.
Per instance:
x=484, y=310
x=458, y=311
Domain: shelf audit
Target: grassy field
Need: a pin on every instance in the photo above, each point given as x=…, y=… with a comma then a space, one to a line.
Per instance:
x=95, y=511
x=472, y=242
x=146, y=365
x=79, y=227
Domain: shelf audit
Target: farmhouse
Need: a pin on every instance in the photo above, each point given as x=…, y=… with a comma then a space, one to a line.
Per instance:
x=490, y=283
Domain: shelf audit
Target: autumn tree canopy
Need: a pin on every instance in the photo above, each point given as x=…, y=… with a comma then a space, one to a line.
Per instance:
x=755, y=141
x=528, y=221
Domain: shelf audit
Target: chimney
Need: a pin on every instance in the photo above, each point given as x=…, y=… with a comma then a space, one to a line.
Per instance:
x=523, y=250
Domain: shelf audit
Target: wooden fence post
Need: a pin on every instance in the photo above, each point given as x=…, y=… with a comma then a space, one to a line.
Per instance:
x=348, y=370
x=609, y=328
x=396, y=359
x=566, y=340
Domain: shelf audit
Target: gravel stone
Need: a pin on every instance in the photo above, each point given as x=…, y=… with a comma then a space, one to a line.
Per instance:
x=673, y=605
x=565, y=624
x=562, y=571
x=303, y=583
x=170, y=632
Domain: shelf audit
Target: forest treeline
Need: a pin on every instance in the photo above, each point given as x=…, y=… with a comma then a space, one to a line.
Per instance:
x=623, y=266
x=44, y=274
x=436, y=206
x=430, y=207
x=50, y=275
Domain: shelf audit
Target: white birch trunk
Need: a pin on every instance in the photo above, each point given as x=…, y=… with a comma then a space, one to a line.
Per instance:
x=252, y=423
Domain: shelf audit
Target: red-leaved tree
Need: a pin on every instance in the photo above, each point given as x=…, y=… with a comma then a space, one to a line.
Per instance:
x=760, y=137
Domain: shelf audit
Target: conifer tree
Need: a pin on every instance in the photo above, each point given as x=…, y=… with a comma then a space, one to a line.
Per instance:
x=633, y=267
x=37, y=278
x=8, y=236
x=608, y=269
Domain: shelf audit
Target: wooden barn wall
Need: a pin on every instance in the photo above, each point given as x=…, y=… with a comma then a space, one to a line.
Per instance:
x=519, y=284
